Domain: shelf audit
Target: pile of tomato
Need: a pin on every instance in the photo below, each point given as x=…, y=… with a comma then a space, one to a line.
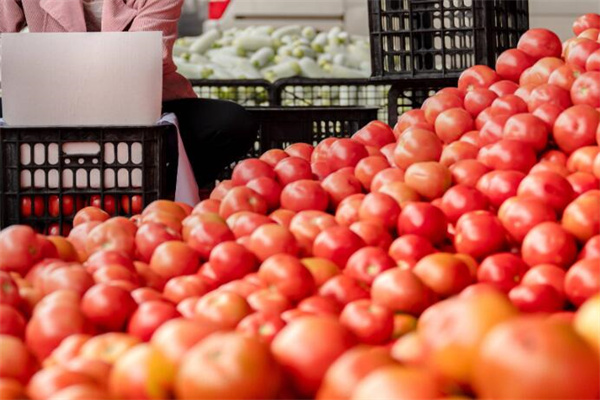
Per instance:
x=456, y=255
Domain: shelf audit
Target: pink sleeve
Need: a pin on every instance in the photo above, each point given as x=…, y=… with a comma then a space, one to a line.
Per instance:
x=12, y=18
x=160, y=15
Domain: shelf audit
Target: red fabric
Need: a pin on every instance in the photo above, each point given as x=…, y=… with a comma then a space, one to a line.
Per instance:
x=117, y=15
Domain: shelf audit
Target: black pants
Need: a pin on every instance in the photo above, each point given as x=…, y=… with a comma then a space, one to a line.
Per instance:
x=214, y=132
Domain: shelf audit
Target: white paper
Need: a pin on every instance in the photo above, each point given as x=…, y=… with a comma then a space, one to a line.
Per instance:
x=81, y=79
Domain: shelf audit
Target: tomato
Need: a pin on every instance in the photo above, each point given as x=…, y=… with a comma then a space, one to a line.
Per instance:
x=269, y=301
x=478, y=76
x=69, y=277
x=221, y=190
x=150, y=235
x=452, y=90
x=340, y=185
x=282, y=217
x=551, y=94
x=350, y=369
x=345, y=153
x=565, y=76
x=467, y=172
x=243, y=223
x=401, y=381
x=320, y=305
x=231, y=261
x=9, y=291
x=149, y=316
x=583, y=182
x=306, y=348
x=337, y=243
x=511, y=64
x=204, y=207
x=292, y=169
x=429, y=179
x=439, y=103
x=443, y=273
x=107, y=347
x=498, y=186
x=491, y=131
x=263, y=326
x=104, y=202
x=504, y=87
x=49, y=381
x=521, y=350
x=478, y=100
x=174, y=258
x=32, y=205
x=271, y=239
x=288, y=275
x=425, y=220
x=19, y=249
x=538, y=43
x=129, y=381
x=273, y=156
x=304, y=195
x=110, y=236
x=527, y=128
x=321, y=269
x=451, y=124
x=268, y=188
x=461, y=199
x=593, y=61
x=546, y=274
x=250, y=169
x=509, y=104
x=536, y=298
x=586, y=89
x=586, y=21
x=108, y=257
x=458, y=151
x=379, y=208
x=502, y=270
x=347, y=212
x=367, y=263
x=13, y=322
x=576, y=127
x=242, y=198
x=370, y=323
x=410, y=248
x=401, y=291
x=207, y=233
x=222, y=308
x=479, y=234
x=343, y=289
x=550, y=243
x=375, y=133
x=549, y=187
x=582, y=280
x=520, y=214
x=581, y=217
x=416, y=145
x=385, y=176
x=412, y=119
x=548, y=113
x=180, y=288
x=372, y=233
x=580, y=50
x=582, y=159
x=306, y=225
x=368, y=168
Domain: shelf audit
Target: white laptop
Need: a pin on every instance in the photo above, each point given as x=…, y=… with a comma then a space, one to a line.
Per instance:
x=81, y=79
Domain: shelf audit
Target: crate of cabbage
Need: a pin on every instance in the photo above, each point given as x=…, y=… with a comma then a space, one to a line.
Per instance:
x=262, y=52
x=281, y=126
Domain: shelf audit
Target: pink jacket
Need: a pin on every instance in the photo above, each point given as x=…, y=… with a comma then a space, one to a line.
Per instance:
x=117, y=15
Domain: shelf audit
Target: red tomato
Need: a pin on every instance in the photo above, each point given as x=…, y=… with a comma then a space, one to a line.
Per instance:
x=576, y=127
x=263, y=326
x=498, y=186
x=460, y=199
x=511, y=64
x=386, y=176
x=273, y=156
x=479, y=234
x=108, y=257
x=425, y=220
x=345, y=153
x=452, y=90
x=132, y=204
x=402, y=291
x=72, y=277
x=451, y=124
x=478, y=100
x=376, y=134
x=548, y=113
x=292, y=169
x=505, y=87
x=538, y=43
x=49, y=381
x=593, y=61
x=108, y=307
x=491, y=131
x=586, y=89
x=367, y=263
x=546, y=274
x=148, y=317
x=372, y=233
x=337, y=243
x=370, y=323
x=527, y=128
x=243, y=223
x=401, y=381
x=282, y=217
x=306, y=225
x=306, y=348
x=221, y=190
x=582, y=280
x=549, y=243
x=340, y=185
x=31, y=205
x=270, y=301
x=9, y=291
x=581, y=217
x=288, y=275
x=410, y=249
x=271, y=239
x=320, y=305
x=585, y=22
x=509, y=104
x=468, y=172
x=503, y=271
x=321, y=150
x=343, y=289
x=88, y=214
x=429, y=179
x=242, y=198
x=520, y=214
x=536, y=298
x=551, y=94
x=582, y=159
x=250, y=169
x=106, y=202
x=368, y=168
x=458, y=151
x=565, y=76
x=150, y=235
x=412, y=119
x=111, y=235
x=268, y=188
x=347, y=212
x=207, y=233
x=180, y=288
x=443, y=273
x=13, y=322
x=302, y=150
x=508, y=155
x=580, y=50
x=304, y=195
x=231, y=261
x=379, y=208
x=174, y=258
x=321, y=269
x=479, y=76
x=549, y=187
x=19, y=249
x=439, y=103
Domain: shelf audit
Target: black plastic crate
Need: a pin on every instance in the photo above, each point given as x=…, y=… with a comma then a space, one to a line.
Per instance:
x=282, y=126
x=441, y=38
x=47, y=174
x=247, y=92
